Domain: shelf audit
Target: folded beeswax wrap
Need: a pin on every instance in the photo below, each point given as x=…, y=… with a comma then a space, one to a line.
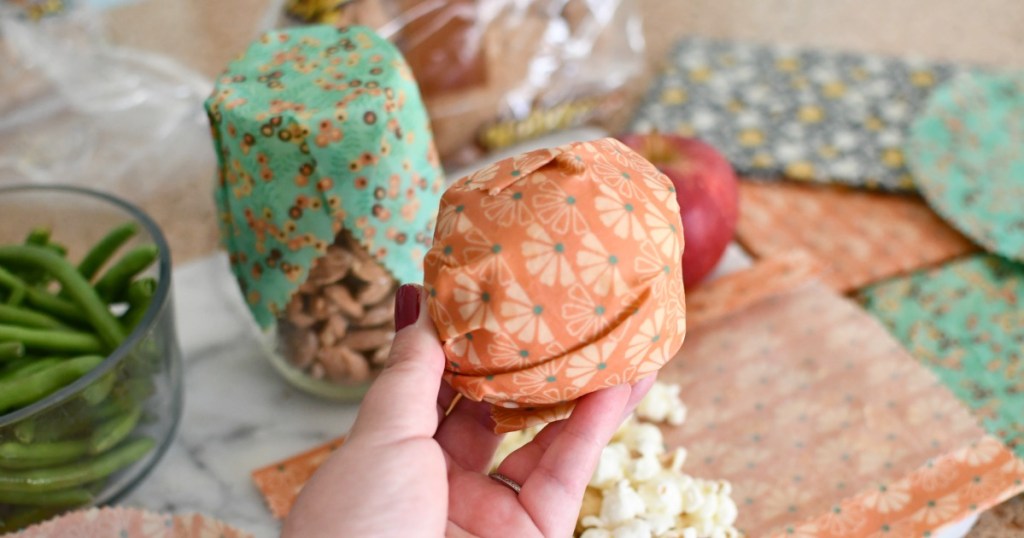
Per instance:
x=821, y=421
x=967, y=153
x=808, y=114
x=554, y=274
x=862, y=237
x=281, y=482
x=119, y=522
x=965, y=321
x=318, y=129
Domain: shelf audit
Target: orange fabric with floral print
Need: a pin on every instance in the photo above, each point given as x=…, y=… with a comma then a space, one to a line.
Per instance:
x=555, y=274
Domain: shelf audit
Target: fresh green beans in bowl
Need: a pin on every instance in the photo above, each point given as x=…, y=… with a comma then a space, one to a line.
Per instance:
x=90, y=369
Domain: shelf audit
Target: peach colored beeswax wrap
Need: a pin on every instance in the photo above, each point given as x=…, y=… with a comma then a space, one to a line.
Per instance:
x=120, y=522
x=555, y=274
x=281, y=482
x=864, y=237
x=822, y=422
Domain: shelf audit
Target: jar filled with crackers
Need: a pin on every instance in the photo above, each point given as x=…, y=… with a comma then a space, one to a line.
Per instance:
x=327, y=191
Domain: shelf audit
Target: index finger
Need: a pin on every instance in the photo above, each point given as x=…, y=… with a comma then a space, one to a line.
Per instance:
x=402, y=402
x=554, y=490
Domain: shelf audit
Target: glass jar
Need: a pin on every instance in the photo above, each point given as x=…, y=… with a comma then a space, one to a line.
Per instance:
x=93, y=440
x=336, y=331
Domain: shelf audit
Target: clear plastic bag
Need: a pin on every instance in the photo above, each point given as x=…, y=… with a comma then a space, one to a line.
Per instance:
x=77, y=110
x=497, y=72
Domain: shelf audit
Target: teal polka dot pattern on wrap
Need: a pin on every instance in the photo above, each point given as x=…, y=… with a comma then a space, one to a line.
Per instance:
x=319, y=129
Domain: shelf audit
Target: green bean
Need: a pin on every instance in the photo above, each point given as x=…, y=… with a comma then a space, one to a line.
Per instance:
x=67, y=424
x=38, y=236
x=55, y=306
x=52, y=340
x=76, y=474
x=140, y=296
x=27, y=389
x=55, y=452
x=25, y=317
x=29, y=516
x=65, y=497
x=105, y=248
x=108, y=434
x=16, y=297
x=98, y=391
x=25, y=431
x=30, y=367
x=108, y=329
x=12, y=366
x=116, y=280
x=38, y=463
x=39, y=298
x=57, y=249
x=15, y=284
x=11, y=350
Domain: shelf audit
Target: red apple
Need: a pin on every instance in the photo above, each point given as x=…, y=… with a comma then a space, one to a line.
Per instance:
x=707, y=191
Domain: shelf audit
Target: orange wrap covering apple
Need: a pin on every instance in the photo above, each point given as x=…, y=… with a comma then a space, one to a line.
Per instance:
x=555, y=274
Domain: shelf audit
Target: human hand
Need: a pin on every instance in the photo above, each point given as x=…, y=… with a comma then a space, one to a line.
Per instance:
x=407, y=469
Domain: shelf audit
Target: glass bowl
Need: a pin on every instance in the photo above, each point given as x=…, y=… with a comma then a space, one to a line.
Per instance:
x=90, y=442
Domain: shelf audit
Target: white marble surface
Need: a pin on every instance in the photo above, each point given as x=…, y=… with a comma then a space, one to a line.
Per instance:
x=239, y=413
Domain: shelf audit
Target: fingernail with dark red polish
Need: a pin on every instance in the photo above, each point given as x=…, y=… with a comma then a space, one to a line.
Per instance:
x=407, y=306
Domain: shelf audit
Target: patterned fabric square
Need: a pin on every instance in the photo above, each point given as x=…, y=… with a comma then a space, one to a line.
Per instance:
x=967, y=154
x=822, y=422
x=862, y=237
x=808, y=114
x=965, y=320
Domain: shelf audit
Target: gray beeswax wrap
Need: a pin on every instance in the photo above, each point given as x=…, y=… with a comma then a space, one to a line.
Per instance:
x=806, y=114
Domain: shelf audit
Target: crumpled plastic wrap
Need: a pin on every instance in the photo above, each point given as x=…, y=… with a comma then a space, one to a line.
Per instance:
x=496, y=72
x=76, y=110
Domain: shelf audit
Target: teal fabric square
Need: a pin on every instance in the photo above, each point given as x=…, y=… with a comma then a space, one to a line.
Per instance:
x=965, y=320
x=967, y=155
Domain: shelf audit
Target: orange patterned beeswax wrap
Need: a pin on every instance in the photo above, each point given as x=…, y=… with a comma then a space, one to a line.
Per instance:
x=555, y=274
x=281, y=482
x=863, y=237
x=823, y=424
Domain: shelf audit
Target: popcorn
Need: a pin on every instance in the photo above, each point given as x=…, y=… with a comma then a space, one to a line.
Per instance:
x=662, y=404
x=644, y=439
x=638, y=489
x=621, y=503
x=611, y=466
x=636, y=528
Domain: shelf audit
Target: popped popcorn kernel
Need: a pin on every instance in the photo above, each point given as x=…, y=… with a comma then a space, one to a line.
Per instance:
x=662, y=404
x=639, y=489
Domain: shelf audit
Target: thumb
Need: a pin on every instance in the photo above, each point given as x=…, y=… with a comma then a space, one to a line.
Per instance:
x=401, y=403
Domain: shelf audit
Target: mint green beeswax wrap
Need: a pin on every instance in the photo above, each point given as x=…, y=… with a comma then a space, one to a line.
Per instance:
x=967, y=154
x=966, y=321
x=319, y=129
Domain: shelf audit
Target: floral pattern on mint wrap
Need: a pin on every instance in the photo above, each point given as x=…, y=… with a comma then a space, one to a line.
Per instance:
x=319, y=129
x=967, y=154
x=966, y=321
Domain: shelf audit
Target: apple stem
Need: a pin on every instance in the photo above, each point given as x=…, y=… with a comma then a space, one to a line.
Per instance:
x=658, y=151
